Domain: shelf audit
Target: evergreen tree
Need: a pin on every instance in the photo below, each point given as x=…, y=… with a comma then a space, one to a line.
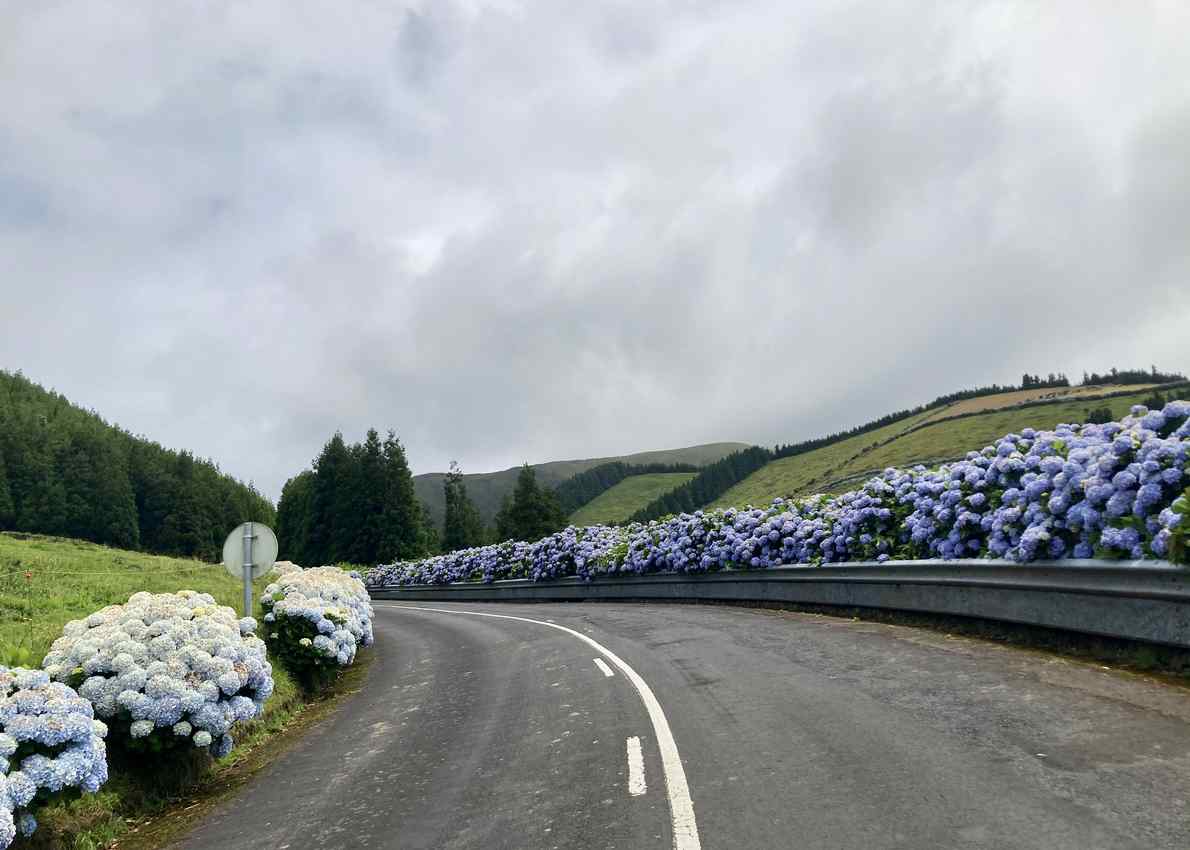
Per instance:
x=502, y=523
x=463, y=528
x=331, y=473
x=369, y=500
x=429, y=541
x=293, y=518
x=532, y=512
x=404, y=535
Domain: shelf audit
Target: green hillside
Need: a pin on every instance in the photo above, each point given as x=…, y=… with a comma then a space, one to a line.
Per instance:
x=838, y=467
x=47, y=581
x=488, y=489
x=630, y=495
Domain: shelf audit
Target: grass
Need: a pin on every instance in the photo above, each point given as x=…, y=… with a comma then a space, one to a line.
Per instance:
x=838, y=467
x=626, y=498
x=46, y=582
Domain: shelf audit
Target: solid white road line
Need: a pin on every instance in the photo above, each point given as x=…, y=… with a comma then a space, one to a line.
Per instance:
x=636, y=768
x=602, y=665
x=681, y=807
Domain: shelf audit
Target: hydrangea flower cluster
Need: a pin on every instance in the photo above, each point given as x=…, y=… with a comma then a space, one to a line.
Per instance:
x=282, y=568
x=166, y=668
x=316, y=619
x=50, y=743
x=1114, y=490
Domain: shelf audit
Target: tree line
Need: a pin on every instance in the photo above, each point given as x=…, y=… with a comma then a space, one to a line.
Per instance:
x=356, y=504
x=1132, y=376
x=65, y=471
x=711, y=482
x=1033, y=382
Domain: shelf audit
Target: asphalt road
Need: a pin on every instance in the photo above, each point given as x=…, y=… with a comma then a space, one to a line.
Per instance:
x=794, y=731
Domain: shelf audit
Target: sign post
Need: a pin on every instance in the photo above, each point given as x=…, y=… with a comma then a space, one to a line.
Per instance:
x=248, y=553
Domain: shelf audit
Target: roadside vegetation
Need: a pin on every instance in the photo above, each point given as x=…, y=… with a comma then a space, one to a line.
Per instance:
x=46, y=582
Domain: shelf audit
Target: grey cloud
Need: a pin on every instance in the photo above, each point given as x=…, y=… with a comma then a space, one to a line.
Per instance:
x=525, y=231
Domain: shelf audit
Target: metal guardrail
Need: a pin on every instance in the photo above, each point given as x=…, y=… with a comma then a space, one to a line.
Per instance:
x=1136, y=600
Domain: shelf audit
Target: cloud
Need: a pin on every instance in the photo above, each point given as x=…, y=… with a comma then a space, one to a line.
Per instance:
x=527, y=231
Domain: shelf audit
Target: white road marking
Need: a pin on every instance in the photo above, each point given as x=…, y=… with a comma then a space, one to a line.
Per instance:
x=681, y=807
x=636, y=768
x=602, y=665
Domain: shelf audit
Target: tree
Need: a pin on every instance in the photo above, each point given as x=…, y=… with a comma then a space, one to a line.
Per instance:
x=293, y=518
x=462, y=528
x=531, y=513
x=428, y=541
x=331, y=476
x=402, y=517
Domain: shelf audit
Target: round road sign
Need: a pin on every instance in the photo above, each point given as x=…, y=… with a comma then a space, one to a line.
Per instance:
x=264, y=549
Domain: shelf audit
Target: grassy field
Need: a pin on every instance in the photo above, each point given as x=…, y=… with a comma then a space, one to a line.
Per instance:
x=630, y=495
x=45, y=582
x=839, y=467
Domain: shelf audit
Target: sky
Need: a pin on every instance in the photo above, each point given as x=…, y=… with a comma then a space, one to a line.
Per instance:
x=518, y=231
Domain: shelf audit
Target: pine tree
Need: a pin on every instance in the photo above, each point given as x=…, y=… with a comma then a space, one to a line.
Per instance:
x=533, y=512
x=293, y=519
x=404, y=535
x=369, y=500
x=330, y=472
x=462, y=528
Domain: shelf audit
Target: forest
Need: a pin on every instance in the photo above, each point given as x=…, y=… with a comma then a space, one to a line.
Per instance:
x=355, y=504
x=66, y=471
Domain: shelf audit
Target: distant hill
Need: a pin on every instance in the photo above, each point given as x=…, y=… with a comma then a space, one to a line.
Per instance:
x=488, y=489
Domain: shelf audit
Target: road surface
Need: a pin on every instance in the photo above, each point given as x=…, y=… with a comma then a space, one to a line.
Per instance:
x=788, y=731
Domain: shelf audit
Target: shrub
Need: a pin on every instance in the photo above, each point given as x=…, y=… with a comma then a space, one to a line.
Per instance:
x=316, y=619
x=50, y=745
x=166, y=670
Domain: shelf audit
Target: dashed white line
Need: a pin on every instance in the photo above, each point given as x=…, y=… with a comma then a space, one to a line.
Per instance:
x=681, y=807
x=636, y=768
x=602, y=665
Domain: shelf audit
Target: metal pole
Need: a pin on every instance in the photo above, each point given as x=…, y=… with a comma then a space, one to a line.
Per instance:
x=248, y=537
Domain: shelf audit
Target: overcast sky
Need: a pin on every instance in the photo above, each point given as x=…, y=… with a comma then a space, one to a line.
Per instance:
x=538, y=230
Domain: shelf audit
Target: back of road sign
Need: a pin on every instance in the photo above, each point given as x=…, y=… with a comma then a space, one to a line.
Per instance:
x=264, y=549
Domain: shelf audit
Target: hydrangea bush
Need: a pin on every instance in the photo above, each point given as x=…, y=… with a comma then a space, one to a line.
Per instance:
x=166, y=670
x=1115, y=490
x=281, y=568
x=315, y=619
x=50, y=745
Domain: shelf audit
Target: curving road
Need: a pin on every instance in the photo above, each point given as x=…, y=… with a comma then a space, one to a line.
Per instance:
x=791, y=730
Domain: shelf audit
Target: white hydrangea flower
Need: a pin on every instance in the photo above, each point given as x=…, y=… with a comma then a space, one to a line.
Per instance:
x=334, y=604
x=179, y=664
x=67, y=744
